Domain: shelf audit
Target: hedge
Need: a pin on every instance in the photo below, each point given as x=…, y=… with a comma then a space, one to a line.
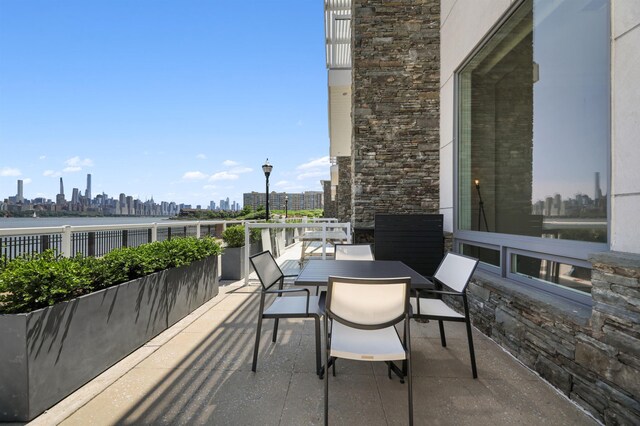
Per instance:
x=27, y=284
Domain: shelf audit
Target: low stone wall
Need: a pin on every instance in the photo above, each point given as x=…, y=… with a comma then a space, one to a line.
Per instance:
x=590, y=355
x=612, y=351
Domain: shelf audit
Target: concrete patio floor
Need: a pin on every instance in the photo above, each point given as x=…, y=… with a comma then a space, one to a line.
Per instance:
x=199, y=372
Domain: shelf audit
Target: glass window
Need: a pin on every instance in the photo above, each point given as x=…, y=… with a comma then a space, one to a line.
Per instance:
x=485, y=255
x=534, y=124
x=561, y=274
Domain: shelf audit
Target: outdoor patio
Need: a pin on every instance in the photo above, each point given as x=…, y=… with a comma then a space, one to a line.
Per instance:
x=199, y=372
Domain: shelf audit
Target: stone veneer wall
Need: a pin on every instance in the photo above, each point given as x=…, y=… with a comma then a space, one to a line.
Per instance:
x=396, y=110
x=591, y=355
x=330, y=207
x=343, y=195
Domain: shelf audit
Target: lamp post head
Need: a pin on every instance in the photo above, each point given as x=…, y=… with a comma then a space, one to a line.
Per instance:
x=477, y=182
x=266, y=168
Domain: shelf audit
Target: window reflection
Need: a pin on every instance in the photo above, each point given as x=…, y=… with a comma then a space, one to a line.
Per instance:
x=534, y=129
x=562, y=274
x=483, y=254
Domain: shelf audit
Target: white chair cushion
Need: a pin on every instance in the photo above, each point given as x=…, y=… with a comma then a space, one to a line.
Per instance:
x=365, y=345
x=434, y=307
x=293, y=305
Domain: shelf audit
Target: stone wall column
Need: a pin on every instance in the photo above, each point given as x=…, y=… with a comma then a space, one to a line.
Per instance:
x=395, y=108
x=343, y=193
x=330, y=206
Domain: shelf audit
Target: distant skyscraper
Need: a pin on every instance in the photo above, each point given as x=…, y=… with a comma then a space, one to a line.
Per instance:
x=87, y=194
x=20, y=195
x=61, y=188
x=557, y=205
x=598, y=192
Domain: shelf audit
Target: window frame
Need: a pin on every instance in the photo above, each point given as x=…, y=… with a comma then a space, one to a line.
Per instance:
x=567, y=251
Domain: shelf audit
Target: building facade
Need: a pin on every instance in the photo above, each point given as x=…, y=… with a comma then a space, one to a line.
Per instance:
x=307, y=200
x=514, y=119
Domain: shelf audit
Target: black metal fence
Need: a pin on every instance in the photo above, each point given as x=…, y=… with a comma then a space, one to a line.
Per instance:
x=28, y=245
x=99, y=242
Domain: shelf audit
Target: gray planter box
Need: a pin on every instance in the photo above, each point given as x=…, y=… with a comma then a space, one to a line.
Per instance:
x=232, y=261
x=49, y=353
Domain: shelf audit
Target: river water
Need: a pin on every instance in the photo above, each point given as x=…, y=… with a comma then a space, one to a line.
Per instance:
x=31, y=222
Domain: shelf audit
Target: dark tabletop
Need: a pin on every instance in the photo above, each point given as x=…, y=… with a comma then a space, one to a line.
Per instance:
x=317, y=272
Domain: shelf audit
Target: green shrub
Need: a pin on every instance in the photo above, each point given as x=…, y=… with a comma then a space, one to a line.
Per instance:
x=47, y=279
x=233, y=236
x=29, y=284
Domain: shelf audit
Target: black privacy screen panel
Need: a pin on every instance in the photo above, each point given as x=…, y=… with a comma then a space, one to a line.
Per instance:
x=415, y=239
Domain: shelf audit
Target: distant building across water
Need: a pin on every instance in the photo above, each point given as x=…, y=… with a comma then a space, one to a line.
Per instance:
x=307, y=200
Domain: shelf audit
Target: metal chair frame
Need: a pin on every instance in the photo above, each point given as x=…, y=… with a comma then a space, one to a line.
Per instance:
x=280, y=291
x=438, y=292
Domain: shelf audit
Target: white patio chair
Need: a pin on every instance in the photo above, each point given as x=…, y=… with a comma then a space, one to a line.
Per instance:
x=307, y=306
x=353, y=252
x=363, y=313
x=454, y=272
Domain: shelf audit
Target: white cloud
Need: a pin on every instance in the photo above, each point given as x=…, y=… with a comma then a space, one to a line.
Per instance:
x=230, y=163
x=10, y=171
x=79, y=162
x=322, y=162
x=27, y=181
x=42, y=157
x=287, y=186
x=194, y=176
x=51, y=173
x=300, y=123
x=314, y=174
x=72, y=169
x=223, y=176
x=209, y=187
x=201, y=157
x=240, y=170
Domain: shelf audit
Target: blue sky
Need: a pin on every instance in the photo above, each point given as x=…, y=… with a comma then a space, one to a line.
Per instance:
x=181, y=100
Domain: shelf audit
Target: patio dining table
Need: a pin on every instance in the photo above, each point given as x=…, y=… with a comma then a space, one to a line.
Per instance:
x=317, y=272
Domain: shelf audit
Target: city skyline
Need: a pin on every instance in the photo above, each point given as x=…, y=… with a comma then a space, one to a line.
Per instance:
x=162, y=99
x=77, y=192
x=103, y=203
x=125, y=204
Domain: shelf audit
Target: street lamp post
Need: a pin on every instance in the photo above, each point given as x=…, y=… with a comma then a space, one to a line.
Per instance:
x=266, y=168
x=286, y=206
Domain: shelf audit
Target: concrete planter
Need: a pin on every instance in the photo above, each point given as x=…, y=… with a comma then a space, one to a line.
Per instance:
x=232, y=261
x=51, y=352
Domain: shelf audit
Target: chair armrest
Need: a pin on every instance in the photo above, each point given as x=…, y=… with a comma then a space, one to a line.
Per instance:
x=289, y=290
x=294, y=290
x=291, y=275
